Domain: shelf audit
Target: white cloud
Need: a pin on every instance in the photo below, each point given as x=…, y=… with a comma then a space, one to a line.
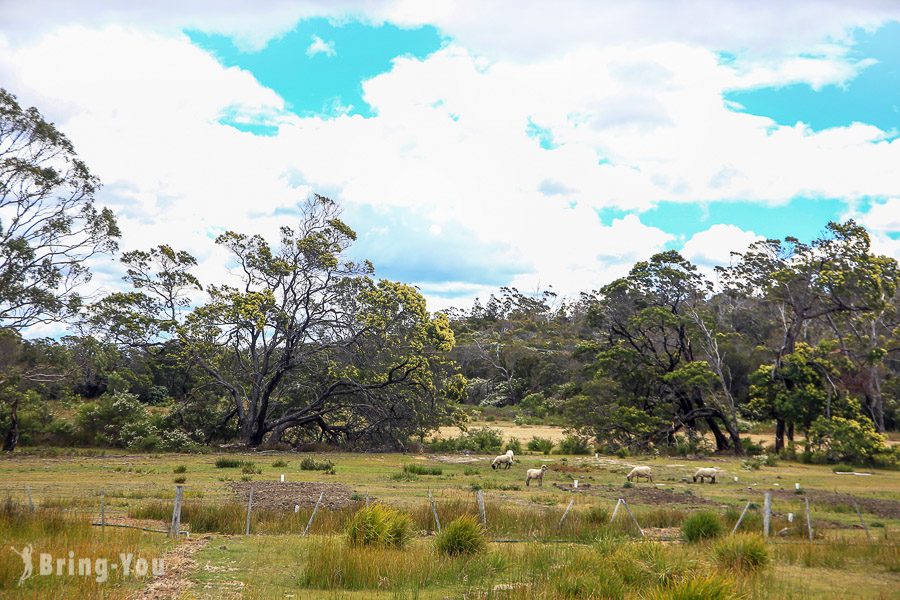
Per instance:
x=320, y=46
x=713, y=247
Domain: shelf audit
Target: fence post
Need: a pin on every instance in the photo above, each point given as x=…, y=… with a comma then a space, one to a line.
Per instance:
x=630, y=514
x=30, y=500
x=615, y=511
x=175, y=527
x=437, y=522
x=767, y=513
x=102, y=513
x=313, y=515
x=741, y=518
x=479, y=497
x=367, y=501
x=866, y=527
x=566, y=513
x=809, y=520
x=249, y=512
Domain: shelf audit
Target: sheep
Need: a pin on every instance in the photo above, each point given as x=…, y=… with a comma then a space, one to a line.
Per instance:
x=706, y=473
x=640, y=472
x=503, y=459
x=535, y=474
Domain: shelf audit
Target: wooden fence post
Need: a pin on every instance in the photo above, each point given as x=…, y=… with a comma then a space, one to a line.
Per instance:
x=741, y=518
x=479, y=497
x=437, y=522
x=367, y=501
x=175, y=527
x=103, y=513
x=615, y=511
x=767, y=513
x=249, y=512
x=566, y=514
x=313, y=515
x=866, y=527
x=809, y=520
x=630, y=514
x=30, y=500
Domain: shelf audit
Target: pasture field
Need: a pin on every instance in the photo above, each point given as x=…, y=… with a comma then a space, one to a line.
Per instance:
x=531, y=554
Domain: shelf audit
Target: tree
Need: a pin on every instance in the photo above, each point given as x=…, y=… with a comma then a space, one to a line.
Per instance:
x=49, y=224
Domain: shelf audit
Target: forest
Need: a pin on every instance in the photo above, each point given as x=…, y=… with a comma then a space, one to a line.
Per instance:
x=303, y=346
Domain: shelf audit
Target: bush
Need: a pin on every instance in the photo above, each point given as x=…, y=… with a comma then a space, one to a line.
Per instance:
x=539, y=444
x=180, y=469
x=311, y=464
x=462, y=536
x=414, y=469
x=250, y=468
x=700, y=526
x=838, y=439
x=228, y=463
x=379, y=525
x=180, y=479
x=743, y=552
x=754, y=463
x=515, y=445
x=574, y=444
x=279, y=463
x=483, y=441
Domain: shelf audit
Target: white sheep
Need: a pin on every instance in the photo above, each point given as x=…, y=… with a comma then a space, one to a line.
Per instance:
x=640, y=472
x=503, y=460
x=706, y=473
x=535, y=474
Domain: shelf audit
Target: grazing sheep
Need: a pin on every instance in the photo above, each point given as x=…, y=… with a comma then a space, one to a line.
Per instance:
x=706, y=473
x=535, y=474
x=503, y=459
x=640, y=472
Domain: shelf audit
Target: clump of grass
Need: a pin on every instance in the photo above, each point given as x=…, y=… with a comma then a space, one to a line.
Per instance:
x=744, y=552
x=180, y=469
x=709, y=587
x=311, y=464
x=250, y=468
x=379, y=525
x=415, y=469
x=228, y=463
x=701, y=526
x=470, y=471
x=463, y=535
x=598, y=515
x=180, y=479
x=279, y=463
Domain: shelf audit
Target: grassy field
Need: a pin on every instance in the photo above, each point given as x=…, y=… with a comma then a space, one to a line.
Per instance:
x=531, y=555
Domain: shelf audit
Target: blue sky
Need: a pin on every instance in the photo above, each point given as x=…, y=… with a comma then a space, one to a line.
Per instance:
x=476, y=149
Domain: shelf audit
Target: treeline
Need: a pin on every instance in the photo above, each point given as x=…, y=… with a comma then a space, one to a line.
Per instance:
x=303, y=346
x=804, y=336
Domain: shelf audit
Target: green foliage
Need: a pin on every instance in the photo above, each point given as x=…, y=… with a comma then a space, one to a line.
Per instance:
x=180, y=479
x=838, y=439
x=462, y=536
x=309, y=463
x=250, y=468
x=539, y=444
x=699, y=587
x=742, y=552
x=754, y=463
x=279, y=463
x=598, y=515
x=700, y=526
x=484, y=440
x=228, y=463
x=379, y=525
x=575, y=444
x=515, y=445
x=180, y=469
x=416, y=469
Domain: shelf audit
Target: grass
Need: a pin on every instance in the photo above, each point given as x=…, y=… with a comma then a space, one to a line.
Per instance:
x=415, y=469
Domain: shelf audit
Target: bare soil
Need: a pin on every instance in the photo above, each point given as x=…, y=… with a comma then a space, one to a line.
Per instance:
x=179, y=564
x=889, y=509
x=638, y=494
x=274, y=494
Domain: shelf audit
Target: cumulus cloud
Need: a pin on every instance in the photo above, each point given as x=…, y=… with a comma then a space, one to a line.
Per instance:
x=320, y=46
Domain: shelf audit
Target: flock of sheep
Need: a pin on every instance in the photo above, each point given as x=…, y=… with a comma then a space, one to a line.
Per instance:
x=505, y=461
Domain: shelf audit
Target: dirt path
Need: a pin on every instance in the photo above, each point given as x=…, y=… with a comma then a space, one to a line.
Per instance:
x=179, y=564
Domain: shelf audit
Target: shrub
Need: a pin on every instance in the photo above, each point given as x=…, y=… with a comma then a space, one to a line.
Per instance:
x=228, y=463
x=838, y=439
x=414, y=469
x=700, y=526
x=710, y=587
x=574, y=444
x=311, y=464
x=180, y=469
x=539, y=444
x=743, y=552
x=483, y=441
x=515, y=445
x=250, y=468
x=180, y=479
x=754, y=463
x=462, y=536
x=279, y=463
x=379, y=525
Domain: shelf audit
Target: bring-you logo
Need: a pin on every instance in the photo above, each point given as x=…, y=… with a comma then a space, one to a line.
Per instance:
x=99, y=568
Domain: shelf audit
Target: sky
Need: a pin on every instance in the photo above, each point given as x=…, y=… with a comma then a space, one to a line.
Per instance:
x=475, y=145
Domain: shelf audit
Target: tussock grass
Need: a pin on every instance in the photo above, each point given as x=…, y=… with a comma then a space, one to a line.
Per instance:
x=379, y=525
x=463, y=535
x=415, y=469
x=743, y=552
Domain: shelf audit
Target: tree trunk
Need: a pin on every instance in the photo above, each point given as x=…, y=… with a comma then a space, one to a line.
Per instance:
x=734, y=434
x=12, y=435
x=790, y=432
x=779, y=435
x=721, y=440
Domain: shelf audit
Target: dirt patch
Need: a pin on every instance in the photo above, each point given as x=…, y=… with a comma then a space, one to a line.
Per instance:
x=274, y=494
x=637, y=494
x=179, y=564
x=889, y=509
